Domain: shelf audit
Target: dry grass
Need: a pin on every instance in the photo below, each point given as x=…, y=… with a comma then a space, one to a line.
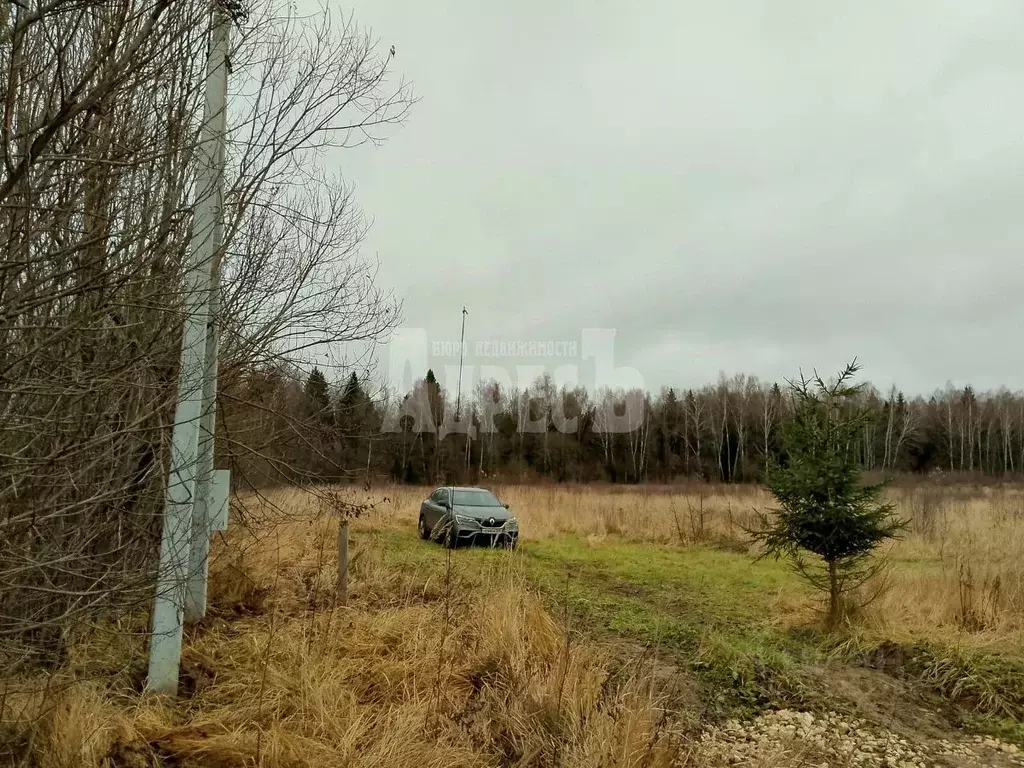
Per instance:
x=957, y=575
x=431, y=667
x=654, y=515
x=420, y=669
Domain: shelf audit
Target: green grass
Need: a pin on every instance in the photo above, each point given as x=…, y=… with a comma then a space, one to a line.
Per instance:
x=713, y=612
x=1003, y=728
x=710, y=609
x=915, y=562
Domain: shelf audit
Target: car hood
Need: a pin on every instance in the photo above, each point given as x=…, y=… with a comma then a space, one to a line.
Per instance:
x=500, y=514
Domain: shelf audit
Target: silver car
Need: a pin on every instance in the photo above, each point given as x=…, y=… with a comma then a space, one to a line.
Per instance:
x=456, y=515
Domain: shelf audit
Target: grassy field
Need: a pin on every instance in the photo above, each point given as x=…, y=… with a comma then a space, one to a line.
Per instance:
x=626, y=624
x=957, y=575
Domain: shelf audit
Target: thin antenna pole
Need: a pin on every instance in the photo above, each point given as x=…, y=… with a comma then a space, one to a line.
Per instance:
x=462, y=345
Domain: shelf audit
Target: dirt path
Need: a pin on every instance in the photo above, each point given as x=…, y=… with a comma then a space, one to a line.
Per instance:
x=718, y=656
x=832, y=740
x=881, y=722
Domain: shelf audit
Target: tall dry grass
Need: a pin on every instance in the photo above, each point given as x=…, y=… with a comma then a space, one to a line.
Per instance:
x=461, y=667
x=957, y=574
x=657, y=514
x=418, y=669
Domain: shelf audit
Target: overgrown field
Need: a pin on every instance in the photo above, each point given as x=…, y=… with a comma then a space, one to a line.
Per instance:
x=631, y=628
x=957, y=576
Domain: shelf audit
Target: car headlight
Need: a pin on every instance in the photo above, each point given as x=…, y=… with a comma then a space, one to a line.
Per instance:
x=463, y=519
x=511, y=523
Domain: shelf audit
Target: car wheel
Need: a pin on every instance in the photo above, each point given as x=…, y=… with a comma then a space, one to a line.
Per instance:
x=422, y=529
x=512, y=543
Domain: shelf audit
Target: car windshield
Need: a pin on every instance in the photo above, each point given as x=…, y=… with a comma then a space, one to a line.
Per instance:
x=476, y=499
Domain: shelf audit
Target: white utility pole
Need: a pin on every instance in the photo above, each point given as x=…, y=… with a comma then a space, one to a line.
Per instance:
x=184, y=486
x=462, y=344
x=209, y=512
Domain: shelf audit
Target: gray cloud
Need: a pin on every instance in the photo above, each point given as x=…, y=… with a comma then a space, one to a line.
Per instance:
x=747, y=187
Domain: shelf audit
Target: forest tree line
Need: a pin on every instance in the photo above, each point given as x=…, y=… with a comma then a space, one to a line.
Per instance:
x=728, y=431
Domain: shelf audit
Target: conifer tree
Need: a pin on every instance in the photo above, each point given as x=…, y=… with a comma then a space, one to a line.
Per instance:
x=825, y=510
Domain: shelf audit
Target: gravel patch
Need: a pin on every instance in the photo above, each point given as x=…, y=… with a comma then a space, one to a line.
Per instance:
x=787, y=738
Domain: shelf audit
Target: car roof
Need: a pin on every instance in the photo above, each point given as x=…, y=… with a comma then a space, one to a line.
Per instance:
x=463, y=488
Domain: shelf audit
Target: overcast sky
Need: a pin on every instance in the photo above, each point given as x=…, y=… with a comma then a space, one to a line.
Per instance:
x=751, y=186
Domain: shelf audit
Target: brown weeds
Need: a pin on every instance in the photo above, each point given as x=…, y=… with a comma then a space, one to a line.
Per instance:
x=276, y=678
x=281, y=674
x=925, y=590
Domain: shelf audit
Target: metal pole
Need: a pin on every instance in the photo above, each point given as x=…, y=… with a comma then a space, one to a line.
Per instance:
x=198, y=563
x=175, y=544
x=462, y=344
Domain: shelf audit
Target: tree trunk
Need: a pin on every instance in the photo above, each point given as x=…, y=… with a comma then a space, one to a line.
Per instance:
x=970, y=436
x=343, y=562
x=832, y=622
x=686, y=442
x=949, y=429
x=890, y=422
x=907, y=427
x=404, y=456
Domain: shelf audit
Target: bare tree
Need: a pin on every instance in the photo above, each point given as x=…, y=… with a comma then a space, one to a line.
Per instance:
x=638, y=437
x=948, y=397
x=101, y=113
x=696, y=410
x=605, y=404
x=890, y=424
x=908, y=422
x=746, y=391
x=771, y=406
x=1005, y=404
x=718, y=398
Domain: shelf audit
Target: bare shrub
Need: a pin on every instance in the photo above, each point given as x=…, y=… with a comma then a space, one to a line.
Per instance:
x=100, y=123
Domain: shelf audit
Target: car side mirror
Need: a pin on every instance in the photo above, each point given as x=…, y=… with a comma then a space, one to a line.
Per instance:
x=446, y=504
x=505, y=506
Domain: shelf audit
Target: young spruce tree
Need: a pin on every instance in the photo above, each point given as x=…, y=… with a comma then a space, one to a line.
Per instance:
x=825, y=510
